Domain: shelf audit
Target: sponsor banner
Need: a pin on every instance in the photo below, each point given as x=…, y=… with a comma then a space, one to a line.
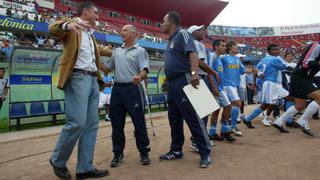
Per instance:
x=29, y=79
x=8, y=22
x=13, y=5
x=297, y=29
x=152, y=80
x=216, y=30
x=32, y=59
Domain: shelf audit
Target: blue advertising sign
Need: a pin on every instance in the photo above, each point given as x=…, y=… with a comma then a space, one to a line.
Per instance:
x=30, y=79
x=9, y=22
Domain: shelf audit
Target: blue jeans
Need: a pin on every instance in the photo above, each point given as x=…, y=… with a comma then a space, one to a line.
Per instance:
x=81, y=109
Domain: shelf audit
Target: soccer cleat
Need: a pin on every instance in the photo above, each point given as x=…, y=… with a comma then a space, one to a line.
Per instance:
x=266, y=121
x=293, y=124
x=238, y=121
x=205, y=161
x=305, y=128
x=228, y=137
x=116, y=161
x=215, y=137
x=171, y=155
x=236, y=131
x=247, y=123
x=280, y=128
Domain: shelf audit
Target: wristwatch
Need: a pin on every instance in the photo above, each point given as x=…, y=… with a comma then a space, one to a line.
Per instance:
x=193, y=73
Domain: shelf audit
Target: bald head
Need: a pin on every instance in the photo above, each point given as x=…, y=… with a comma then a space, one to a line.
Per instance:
x=131, y=27
x=129, y=33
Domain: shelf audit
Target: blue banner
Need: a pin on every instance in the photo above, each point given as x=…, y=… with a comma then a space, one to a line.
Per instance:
x=152, y=80
x=30, y=79
x=9, y=22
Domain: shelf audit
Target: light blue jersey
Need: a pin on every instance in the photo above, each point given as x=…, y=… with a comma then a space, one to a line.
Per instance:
x=271, y=66
x=216, y=64
x=232, y=69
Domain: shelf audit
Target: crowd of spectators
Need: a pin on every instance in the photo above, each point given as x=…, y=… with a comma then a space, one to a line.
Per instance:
x=45, y=15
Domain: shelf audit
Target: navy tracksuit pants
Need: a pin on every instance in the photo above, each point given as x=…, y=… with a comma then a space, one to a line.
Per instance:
x=179, y=108
x=128, y=98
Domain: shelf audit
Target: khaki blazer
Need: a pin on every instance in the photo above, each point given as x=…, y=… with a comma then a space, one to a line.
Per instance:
x=71, y=44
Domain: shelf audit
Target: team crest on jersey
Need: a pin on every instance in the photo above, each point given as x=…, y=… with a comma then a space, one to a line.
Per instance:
x=172, y=45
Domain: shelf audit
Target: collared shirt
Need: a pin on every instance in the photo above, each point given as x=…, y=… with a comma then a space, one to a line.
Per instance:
x=86, y=59
x=177, y=60
x=127, y=63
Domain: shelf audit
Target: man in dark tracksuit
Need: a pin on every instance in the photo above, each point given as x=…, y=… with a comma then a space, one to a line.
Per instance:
x=131, y=65
x=181, y=67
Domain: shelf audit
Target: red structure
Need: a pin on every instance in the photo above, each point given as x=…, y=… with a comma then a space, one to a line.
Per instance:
x=191, y=11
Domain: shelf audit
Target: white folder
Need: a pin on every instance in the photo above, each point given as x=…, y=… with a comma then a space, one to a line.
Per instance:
x=201, y=99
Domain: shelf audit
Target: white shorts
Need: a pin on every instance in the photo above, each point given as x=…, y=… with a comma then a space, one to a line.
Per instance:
x=232, y=93
x=104, y=99
x=271, y=92
x=223, y=98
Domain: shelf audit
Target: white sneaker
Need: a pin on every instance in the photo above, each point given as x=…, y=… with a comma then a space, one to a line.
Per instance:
x=266, y=122
x=212, y=142
x=236, y=131
x=107, y=118
x=194, y=147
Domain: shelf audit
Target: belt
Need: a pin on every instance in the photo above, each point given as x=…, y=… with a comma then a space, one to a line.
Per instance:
x=123, y=84
x=85, y=72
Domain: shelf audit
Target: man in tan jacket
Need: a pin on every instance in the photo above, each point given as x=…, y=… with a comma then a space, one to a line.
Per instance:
x=78, y=78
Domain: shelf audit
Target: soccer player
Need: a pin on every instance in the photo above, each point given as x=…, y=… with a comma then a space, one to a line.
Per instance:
x=269, y=68
x=232, y=69
x=302, y=87
x=219, y=47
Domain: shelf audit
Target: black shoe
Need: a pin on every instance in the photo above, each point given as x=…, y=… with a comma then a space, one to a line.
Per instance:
x=305, y=129
x=215, y=137
x=171, y=155
x=116, y=161
x=228, y=137
x=144, y=159
x=205, y=161
x=248, y=124
x=61, y=172
x=93, y=174
x=280, y=128
x=293, y=124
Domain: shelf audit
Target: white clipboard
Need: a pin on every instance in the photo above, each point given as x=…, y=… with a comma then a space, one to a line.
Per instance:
x=201, y=99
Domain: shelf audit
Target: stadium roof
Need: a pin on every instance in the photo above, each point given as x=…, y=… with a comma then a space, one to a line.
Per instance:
x=191, y=11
